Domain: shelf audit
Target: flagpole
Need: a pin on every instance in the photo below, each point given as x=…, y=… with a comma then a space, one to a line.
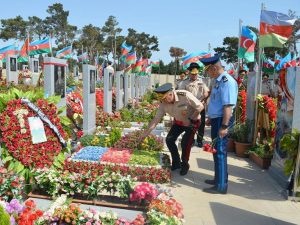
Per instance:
x=240, y=31
x=27, y=49
x=257, y=89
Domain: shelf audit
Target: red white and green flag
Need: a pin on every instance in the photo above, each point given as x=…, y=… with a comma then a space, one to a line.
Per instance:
x=39, y=47
x=23, y=56
x=275, y=29
x=155, y=63
x=247, y=44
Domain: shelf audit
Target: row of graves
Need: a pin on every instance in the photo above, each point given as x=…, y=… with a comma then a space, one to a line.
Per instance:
x=77, y=148
x=270, y=135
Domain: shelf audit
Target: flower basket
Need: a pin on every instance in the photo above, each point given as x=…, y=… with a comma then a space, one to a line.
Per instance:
x=263, y=163
x=241, y=149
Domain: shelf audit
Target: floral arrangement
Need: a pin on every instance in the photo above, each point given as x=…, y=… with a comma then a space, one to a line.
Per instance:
x=74, y=100
x=99, y=97
x=139, y=113
x=151, y=143
x=143, y=192
x=241, y=106
x=30, y=214
x=17, y=213
x=11, y=186
x=90, y=153
x=104, y=119
x=154, y=174
x=55, y=183
x=17, y=136
x=114, y=155
x=142, y=157
x=269, y=106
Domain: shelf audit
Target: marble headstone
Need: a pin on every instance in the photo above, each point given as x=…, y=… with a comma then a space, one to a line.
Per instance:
x=55, y=79
x=132, y=85
x=89, y=99
x=11, y=70
x=127, y=90
x=119, y=90
x=108, y=84
x=34, y=69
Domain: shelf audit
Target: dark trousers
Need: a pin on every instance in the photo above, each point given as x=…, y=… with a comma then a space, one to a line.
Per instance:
x=220, y=158
x=186, y=143
x=200, y=134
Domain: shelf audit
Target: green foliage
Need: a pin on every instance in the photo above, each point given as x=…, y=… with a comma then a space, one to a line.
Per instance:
x=13, y=28
x=86, y=140
x=4, y=217
x=14, y=93
x=263, y=151
x=290, y=144
x=230, y=49
x=241, y=132
x=115, y=135
x=141, y=157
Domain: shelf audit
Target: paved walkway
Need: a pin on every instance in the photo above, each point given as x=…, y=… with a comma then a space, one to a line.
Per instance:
x=253, y=198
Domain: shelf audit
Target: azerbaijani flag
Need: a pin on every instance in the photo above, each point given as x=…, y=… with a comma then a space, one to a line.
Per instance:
x=130, y=58
x=83, y=57
x=287, y=61
x=275, y=29
x=128, y=69
x=39, y=47
x=9, y=50
x=139, y=64
x=64, y=53
x=148, y=70
x=247, y=44
x=125, y=49
x=23, y=55
x=194, y=57
x=155, y=64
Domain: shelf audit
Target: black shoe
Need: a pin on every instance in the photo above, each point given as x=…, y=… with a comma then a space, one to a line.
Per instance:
x=211, y=182
x=213, y=190
x=184, y=169
x=175, y=167
x=200, y=144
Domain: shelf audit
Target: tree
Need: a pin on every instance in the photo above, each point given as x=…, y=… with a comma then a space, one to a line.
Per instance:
x=14, y=28
x=57, y=25
x=291, y=44
x=230, y=49
x=91, y=38
x=36, y=27
x=143, y=43
x=176, y=53
x=111, y=31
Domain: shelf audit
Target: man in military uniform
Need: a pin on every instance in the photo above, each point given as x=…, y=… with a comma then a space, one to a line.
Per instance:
x=185, y=108
x=223, y=99
x=199, y=89
x=266, y=88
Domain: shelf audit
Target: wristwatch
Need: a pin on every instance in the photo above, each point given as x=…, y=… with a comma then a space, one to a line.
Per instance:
x=223, y=126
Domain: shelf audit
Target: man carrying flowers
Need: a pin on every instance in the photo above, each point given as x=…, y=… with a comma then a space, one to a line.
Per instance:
x=223, y=99
x=185, y=108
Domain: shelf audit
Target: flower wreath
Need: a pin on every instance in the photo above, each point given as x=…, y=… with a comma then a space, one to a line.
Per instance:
x=17, y=136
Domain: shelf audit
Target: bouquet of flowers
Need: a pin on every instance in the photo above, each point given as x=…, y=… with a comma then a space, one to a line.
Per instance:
x=11, y=186
x=143, y=192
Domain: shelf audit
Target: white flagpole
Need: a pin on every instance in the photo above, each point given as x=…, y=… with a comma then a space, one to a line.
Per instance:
x=240, y=33
x=257, y=89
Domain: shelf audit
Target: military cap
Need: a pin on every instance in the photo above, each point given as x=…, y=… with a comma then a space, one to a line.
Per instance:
x=163, y=88
x=193, y=65
x=210, y=61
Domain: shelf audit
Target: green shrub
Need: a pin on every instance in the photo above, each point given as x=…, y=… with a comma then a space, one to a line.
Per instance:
x=4, y=217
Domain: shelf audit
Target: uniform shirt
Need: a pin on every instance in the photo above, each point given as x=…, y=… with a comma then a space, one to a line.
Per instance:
x=196, y=87
x=184, y=106
x=224, y=92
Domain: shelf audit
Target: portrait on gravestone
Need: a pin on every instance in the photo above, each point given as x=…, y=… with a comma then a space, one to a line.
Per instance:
x=110, y=81
x=92, y=81
x=35, y=66
x=76, y=71
x=13, y=64
x=122, y=77
x=59, y=80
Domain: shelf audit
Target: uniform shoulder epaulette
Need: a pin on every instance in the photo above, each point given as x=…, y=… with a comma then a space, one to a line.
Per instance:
x=181, y=93
x=224, y=79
